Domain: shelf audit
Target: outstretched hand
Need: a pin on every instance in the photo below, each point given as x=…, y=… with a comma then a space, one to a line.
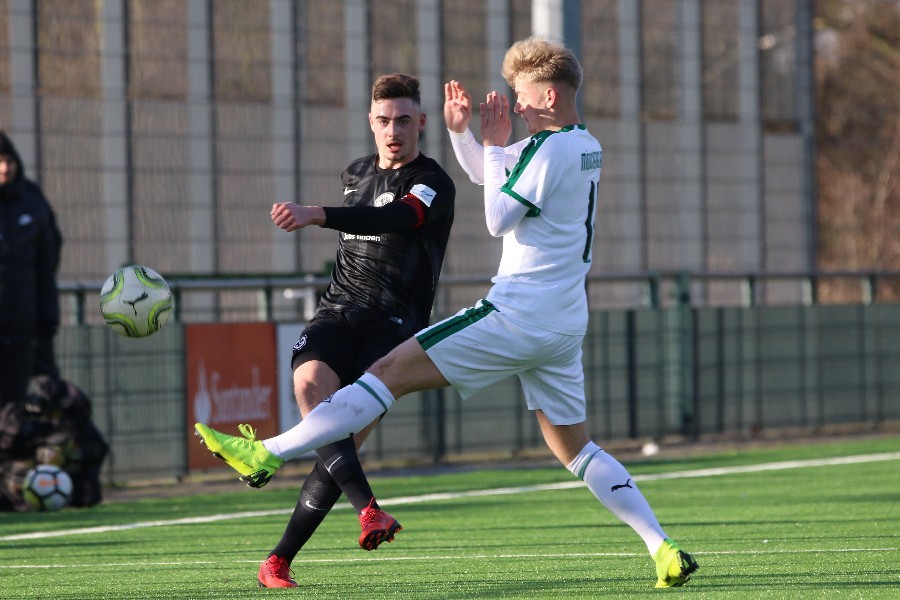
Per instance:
x=457, y=106
x=495, y=124
x=291, y=217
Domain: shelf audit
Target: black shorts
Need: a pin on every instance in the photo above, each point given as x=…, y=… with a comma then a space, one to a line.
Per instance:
x=349, y=341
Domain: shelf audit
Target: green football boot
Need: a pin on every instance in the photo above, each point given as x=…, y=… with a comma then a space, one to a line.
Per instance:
x=674, y=566
x=246, y=455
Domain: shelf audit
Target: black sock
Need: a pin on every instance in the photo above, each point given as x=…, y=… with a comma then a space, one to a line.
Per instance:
x=342, y=462
x=317, y=496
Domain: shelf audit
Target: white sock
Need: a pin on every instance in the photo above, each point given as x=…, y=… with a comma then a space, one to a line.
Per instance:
x=346, y=412
x=613, y=486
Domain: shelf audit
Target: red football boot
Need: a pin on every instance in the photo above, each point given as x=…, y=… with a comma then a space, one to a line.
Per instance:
x=275, y=572
x=377, y=527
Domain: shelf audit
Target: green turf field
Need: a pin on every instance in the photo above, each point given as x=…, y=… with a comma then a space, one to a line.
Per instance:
x=818, y=529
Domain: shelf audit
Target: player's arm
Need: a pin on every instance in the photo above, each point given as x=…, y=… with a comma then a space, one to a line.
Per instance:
x=501, y=211
x=291, y=217
x=457, y=114
x=395, y=216
x=400, y=215
x=428, y=199
x=469, y=154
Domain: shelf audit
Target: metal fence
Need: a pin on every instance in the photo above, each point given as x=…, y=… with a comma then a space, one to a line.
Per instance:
x=672, y=367
x=163, y=130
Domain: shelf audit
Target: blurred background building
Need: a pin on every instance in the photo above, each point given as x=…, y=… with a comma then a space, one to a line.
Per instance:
x=746, y=161
x=163, y=130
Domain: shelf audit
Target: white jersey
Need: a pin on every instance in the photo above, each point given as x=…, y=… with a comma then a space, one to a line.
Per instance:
x=547, y=255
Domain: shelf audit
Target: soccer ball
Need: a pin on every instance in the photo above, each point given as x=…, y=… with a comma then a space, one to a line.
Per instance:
x=47, y=487
x=135, y=301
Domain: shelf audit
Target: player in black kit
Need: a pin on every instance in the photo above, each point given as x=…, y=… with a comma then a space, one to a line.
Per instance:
x=394, y=225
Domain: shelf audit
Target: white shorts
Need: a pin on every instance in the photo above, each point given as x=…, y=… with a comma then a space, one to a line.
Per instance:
x=479, y=346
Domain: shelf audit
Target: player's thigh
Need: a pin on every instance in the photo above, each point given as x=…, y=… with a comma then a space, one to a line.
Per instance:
x=330, y=340
x=407, y=369
x=478, y=347
x=555, y=384
x=377, y=335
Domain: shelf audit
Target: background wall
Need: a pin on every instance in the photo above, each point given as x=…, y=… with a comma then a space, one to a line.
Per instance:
x=163, y=130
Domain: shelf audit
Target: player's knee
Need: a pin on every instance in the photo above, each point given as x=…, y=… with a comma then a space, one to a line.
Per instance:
x=309, y=395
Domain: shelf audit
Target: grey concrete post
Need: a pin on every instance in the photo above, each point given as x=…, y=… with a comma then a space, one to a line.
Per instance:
x=497, y=43
x=428, y=57
x=558, y=21
x=356, y=78
x=691, y=157
x=284, y=127
x=750, y=122
x=806, y=117
x=23, y=126
x=633, y=154
x=200, y=134
x=118, y=248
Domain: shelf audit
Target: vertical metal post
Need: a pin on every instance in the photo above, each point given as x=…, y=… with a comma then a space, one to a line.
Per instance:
x=720, y=370
x=686, y=349
x=654, y=285
x=606, y=374
x=801, y=337
x=439, y=419
x=877, y=345
x=691, y=418
x=631, y=366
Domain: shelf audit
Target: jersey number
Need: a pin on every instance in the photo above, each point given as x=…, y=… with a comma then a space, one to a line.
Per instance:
x=589, y=224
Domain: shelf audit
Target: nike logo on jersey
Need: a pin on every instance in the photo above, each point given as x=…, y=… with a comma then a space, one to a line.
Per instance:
x=348, y=191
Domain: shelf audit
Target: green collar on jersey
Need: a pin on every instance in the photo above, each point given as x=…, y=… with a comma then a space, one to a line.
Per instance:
x=527, y=154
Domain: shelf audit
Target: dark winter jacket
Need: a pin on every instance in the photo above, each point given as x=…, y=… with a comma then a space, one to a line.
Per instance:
x=29, y=256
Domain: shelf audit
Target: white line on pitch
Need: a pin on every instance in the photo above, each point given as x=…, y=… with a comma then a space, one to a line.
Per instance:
x=368, y=558
x=711, y=472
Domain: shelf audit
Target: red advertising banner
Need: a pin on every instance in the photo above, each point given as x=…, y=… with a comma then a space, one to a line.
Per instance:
x=231, y=379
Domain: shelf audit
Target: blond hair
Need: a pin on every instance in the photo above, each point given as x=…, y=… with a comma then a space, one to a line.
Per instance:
x=535, y=59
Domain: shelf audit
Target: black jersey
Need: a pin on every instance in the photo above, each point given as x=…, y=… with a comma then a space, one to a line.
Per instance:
x=387, y=269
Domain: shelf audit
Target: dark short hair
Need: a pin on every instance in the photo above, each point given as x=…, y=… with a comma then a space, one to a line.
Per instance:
x=396, y=85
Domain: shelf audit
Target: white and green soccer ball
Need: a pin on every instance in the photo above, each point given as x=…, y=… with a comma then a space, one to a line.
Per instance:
x=47, y=487
x=136, y=301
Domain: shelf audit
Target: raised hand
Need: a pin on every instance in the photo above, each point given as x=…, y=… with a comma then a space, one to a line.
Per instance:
x=495, y=124
x=457, y=106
